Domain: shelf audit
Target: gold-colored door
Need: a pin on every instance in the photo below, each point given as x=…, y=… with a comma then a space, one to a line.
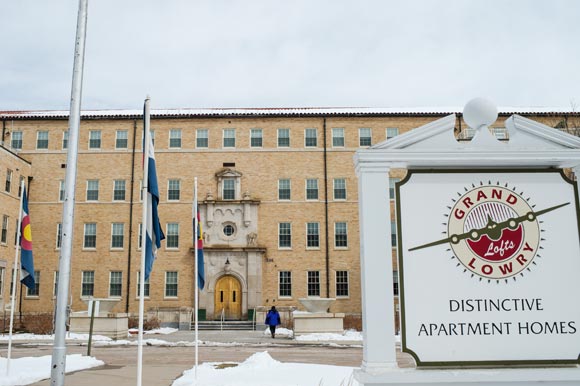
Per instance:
x=228, y=297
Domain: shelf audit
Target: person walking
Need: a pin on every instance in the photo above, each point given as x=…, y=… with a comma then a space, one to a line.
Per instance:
x=273, y=320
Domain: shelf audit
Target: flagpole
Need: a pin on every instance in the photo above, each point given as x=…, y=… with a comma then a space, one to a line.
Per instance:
x=57, y=373
x=15, y=270
x=195, y=247
x=146, y=144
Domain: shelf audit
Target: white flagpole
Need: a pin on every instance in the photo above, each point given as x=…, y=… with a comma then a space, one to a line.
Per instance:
x=57, y=371
x=15, y=269
x=195, y=242
x=144, y=222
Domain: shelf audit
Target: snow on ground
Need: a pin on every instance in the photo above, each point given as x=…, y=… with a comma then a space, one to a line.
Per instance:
x=159, y=331
x=261, y=370
x=69, y=336
x=281, y=332
x=350, y=335
x=24, y=371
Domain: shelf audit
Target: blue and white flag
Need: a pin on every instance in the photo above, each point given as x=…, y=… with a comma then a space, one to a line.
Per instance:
x=154, y=232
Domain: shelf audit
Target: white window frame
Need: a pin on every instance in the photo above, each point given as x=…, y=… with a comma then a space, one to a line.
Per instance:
x=256, y=134
x=308, y=284
x=280, y=131
x=120, y=284
x=347, y=284
x=118, y=138
x=169, y=183
x=17, y=138
x=306, y=137
x=147, y=289
x=124, y=183
x=65, y=135
x=338, y=136
x=199, y=137
x=391, y=132
x=176, y=285
x=58, y=235
x=175, y=135
x=280, y=285
x=229, y=135
x=308, y=180
x=336, y=234
x=289, y=188
x=92, y=283
x=368, y=134
x=315, y=247
x=97, y=190
x=280, y=234
x=38, y=139
x=334, y=189
x=85, y=235
x=168, y=234
x=93, y=134
x=115, y=233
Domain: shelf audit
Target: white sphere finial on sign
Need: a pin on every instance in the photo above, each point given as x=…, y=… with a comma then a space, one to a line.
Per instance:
x=479, y=112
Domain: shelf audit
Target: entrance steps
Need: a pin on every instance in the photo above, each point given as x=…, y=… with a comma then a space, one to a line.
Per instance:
x=226, y=325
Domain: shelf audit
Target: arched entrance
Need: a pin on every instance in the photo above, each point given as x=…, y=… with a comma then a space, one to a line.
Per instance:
x=228, y=297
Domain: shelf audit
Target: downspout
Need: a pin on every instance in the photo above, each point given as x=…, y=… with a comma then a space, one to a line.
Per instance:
x=131, y=219
x=327, y=257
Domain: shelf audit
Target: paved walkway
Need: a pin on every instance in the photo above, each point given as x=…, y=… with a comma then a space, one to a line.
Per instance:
x=162, y=365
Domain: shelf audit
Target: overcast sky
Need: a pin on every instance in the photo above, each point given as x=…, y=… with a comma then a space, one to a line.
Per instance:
x=292, y=53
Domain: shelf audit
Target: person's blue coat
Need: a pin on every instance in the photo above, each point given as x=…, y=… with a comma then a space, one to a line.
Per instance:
x=273, y=318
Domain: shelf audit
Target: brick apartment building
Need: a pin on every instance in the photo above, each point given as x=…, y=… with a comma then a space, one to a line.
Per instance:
x=277, y=194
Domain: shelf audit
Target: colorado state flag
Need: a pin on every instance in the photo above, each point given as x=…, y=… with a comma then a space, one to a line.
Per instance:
x=26, y=260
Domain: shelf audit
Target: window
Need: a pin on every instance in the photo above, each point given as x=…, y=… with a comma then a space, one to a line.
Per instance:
x=36, y=290
x=312, y=235
x=171, y=284
x=94, y=139
x=310, y=138
x=229, y=189
x=115, y=283
x=2, y=270
x=8, y=184
x=284, y=284
x=284, y=189
x=11, y=283
x=61, y=190
x=16, y=225
x=202, y=138
x=119, y=190
x=396, y=283
x=283, y=137
x=172, y=239
x=121, y=139
x=20, y=184
x=58, y=235
x=173, y=190
x=341, y=283
x=140, y=236
x=500, y=132
x=339, y=189
x=117, y=235
x=337, y=137
x=65, y=139
x=284, y=235
x=145, y=287
x=92, y=190
x=392, y=187
x=42, y=140
x=88, y=283
x=229, y=137
x=392, y=132
x=340, y=236
x=312, y=189
x=393, y=233
x=256, y=138
x=90, y=239
x=313, y=283
x=55, y=287
x=16, y=141
x=4, y=234
x=364, y=137
x=175, y=138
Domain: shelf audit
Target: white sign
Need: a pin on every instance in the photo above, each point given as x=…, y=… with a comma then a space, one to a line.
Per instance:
x=490, y=267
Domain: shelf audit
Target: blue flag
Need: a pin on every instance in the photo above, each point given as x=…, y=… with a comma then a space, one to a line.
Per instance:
x=200, y=268
x=26, y=260
x=154, y=232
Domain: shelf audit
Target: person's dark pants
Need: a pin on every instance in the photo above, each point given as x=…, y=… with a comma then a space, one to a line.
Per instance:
x=272, y=330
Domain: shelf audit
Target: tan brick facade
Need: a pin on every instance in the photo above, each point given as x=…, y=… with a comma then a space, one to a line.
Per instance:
x=260, y=167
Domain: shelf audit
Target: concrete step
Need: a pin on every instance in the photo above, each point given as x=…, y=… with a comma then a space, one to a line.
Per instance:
x=227, y=325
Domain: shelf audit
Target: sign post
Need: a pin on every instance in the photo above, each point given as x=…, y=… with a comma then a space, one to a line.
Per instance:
x=488, y=254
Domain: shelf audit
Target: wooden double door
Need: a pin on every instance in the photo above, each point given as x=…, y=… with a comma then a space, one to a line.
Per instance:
x=228, y=297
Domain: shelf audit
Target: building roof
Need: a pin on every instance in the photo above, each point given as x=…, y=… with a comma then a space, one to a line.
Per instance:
x=276, y=112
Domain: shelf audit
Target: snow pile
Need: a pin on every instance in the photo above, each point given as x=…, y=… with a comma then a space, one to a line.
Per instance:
x=158, y=331
x=24, y=371
x=261, y=370
x=281, y=332
x=350, y=335
x=69, y=336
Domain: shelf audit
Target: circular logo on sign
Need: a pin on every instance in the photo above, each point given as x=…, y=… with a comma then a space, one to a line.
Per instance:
x=493, y=232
